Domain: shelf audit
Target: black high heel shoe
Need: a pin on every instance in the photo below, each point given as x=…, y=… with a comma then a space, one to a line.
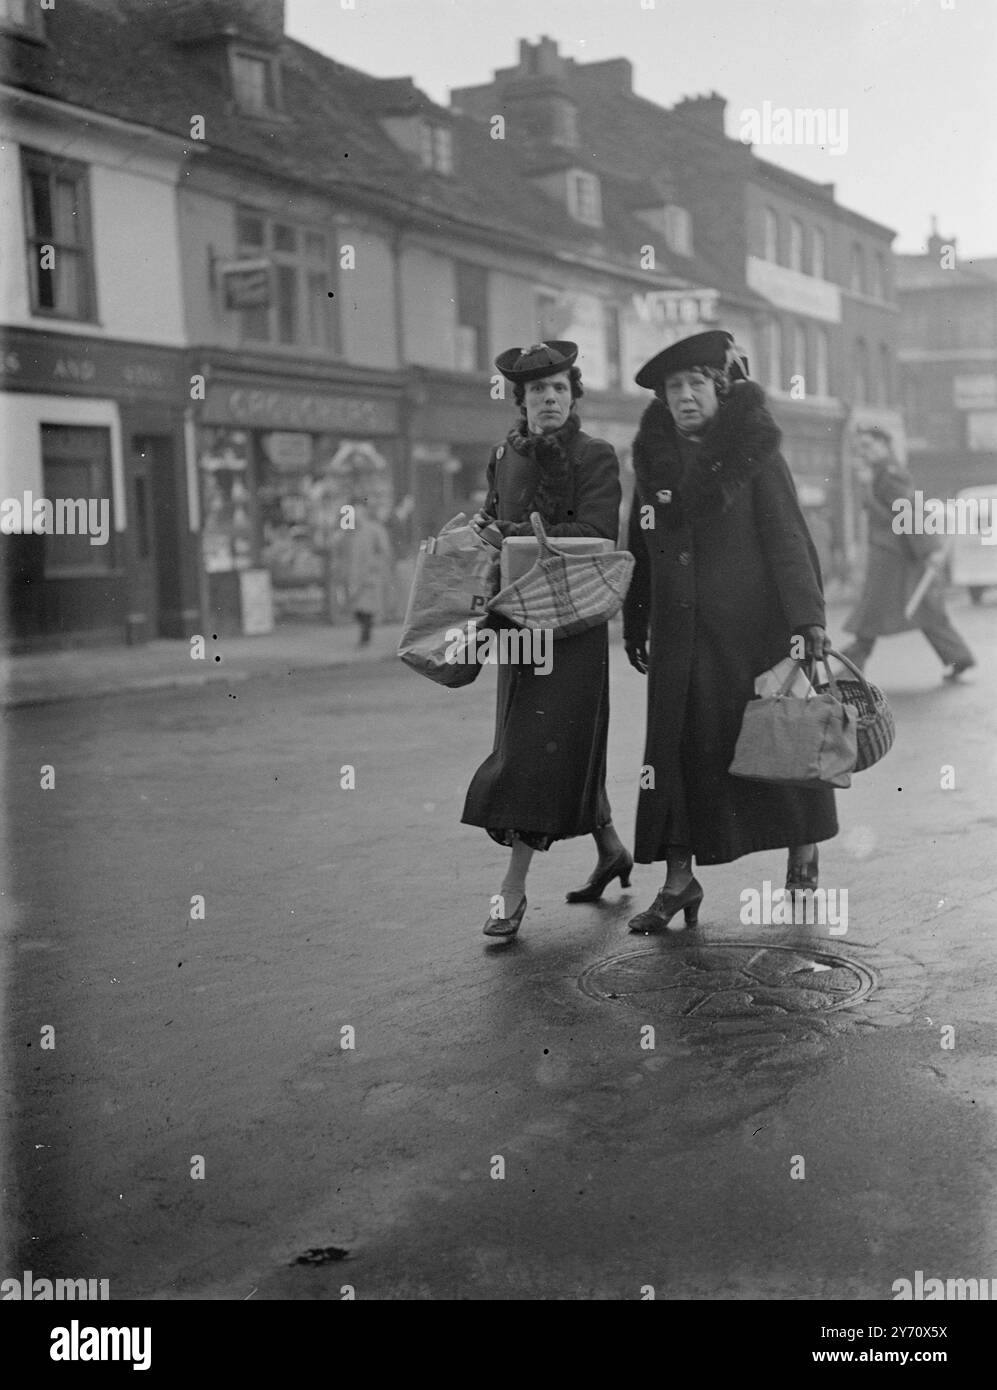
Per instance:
x=592, y=891
x=505, y=927
x=664, y=908
x=802, y=878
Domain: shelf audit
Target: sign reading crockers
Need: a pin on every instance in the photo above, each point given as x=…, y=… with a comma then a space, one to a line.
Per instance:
x=297, y=410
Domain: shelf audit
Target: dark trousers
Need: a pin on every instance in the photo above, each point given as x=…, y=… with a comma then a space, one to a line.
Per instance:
x=938, y=630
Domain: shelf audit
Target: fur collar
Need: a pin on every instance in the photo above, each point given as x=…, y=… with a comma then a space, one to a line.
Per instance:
x=732, y=451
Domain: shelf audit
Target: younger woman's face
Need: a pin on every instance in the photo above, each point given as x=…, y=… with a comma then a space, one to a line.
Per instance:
x=692, y=398
x=548, y=402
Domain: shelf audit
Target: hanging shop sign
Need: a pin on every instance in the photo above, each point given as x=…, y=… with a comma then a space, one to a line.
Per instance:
x=246, y=284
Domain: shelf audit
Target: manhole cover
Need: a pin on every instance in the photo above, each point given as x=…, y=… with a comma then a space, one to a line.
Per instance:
x=737, y=979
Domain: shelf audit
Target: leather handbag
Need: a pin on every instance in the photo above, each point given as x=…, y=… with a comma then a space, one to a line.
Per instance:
x=564, y=593
x=875, y=727
x=798, y=742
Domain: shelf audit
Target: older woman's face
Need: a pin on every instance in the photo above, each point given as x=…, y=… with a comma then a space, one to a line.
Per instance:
x=548, y=402
x=692, y=398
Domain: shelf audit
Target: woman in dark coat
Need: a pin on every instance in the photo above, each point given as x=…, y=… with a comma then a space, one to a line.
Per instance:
x=545, y=778
x=726, y=574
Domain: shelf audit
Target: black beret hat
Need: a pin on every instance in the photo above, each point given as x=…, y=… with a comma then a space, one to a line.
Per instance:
x=542, y=359
x=713, y=349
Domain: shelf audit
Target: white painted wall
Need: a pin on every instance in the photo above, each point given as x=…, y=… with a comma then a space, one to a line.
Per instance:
x=133, y=218
x=21, y=419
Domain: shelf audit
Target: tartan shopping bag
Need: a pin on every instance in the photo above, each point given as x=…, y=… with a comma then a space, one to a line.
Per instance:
x=455, y=575
x=809, y=742
x=564, y=593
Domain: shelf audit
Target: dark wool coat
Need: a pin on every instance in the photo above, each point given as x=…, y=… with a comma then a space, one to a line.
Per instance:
x=546, y=774
x=725, y=577
x=895, y=565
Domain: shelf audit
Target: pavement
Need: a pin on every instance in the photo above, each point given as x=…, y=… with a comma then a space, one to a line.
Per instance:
x=323, y=1080
x=46, y=677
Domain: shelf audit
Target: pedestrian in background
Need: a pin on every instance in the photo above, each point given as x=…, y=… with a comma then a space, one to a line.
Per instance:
x=726, y=573
x=896, y=564
x=545, y=778
x=368, y=570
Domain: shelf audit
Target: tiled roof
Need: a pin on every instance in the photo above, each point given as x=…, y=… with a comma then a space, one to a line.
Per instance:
x=125, y=58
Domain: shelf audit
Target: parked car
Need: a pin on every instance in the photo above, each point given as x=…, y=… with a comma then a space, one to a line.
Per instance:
x=973, y=560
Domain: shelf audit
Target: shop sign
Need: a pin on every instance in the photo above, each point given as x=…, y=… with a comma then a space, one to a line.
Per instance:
x=975, y=392
x=52, y=362
x=298, y=410
x=246, y=284
x=791, y=290
x=688, y=307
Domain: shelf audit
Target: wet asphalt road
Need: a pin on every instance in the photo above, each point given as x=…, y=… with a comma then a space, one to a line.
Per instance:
x=178, y=1039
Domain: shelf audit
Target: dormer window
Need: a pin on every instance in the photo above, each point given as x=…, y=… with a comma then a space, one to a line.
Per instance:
x=585, y=197
x=436, y=148
x=678, y=230
x=24, y=17
x=255, y=83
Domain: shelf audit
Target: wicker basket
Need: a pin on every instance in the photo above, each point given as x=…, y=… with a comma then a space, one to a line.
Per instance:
x=876, y=726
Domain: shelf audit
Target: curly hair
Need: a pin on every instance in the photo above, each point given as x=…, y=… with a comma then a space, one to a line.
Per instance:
x=574, y=377
x=717, y=375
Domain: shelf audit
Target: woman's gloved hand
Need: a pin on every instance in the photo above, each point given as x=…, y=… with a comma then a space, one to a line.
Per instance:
x=817, y=644
x=637, y=655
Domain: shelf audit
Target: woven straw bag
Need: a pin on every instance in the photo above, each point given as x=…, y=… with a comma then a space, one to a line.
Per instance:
x=566, y=594
x=876, y=726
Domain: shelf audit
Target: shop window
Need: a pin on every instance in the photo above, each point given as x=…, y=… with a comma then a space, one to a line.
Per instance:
x=59, y=243
x=76, y=467
x=472, y=318
x=800, y=351
x=302, y=311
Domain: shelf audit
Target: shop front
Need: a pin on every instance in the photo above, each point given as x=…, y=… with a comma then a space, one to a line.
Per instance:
x=94, y=428
x=277, y=465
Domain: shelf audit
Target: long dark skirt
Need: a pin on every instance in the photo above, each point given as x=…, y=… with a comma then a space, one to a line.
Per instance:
x=545, y=778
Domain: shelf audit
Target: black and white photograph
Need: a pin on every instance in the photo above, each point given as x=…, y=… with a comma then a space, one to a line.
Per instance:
x=498, y=517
